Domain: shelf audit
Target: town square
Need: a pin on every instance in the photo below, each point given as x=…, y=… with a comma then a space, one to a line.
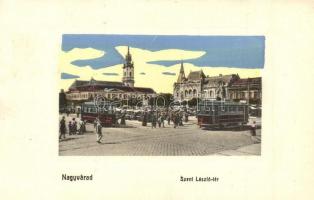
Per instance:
x=189, y=111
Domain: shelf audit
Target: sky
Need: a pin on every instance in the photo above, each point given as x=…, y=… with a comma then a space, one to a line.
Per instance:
x=158, y=57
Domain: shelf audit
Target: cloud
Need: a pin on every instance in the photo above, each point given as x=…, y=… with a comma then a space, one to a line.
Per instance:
x=154, y=77
x=83, y=54
x=68, y=76
x=110, y=74
x=228, y=51
x=169, y=73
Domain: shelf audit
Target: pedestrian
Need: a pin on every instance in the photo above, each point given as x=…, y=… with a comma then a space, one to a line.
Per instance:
x=153, y=120
x=175, y=120
x=169, y=118
x=78, y=112
x=62, y=128
x=74, y=126
x=95, y=123
x=144, y=119
x=84, y=126
x=253, y=129
x=81, y=127
x=70, y=127
x=253, y=133
x=181, y=119
x=159, y=121
x=122, y=122
x=98, y=131
x=186, y=115
x=163, y=120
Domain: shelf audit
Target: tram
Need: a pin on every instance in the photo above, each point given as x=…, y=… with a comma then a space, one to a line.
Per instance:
x=106, y=114
x=219, y=114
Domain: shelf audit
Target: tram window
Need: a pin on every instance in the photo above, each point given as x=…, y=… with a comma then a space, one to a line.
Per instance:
x=222, y=108
x=208, y=108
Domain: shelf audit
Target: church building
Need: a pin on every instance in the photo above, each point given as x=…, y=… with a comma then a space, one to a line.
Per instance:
x=81, y=91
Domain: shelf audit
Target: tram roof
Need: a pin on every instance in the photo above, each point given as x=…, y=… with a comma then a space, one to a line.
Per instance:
x=216, y=102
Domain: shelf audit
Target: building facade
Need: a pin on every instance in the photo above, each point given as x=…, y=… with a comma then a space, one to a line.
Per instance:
x=197, y=85
x=81, y=91
x=249, y=90
x=224, y=87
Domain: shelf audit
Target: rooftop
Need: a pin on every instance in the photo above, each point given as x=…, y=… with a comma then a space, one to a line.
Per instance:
x=106, y=85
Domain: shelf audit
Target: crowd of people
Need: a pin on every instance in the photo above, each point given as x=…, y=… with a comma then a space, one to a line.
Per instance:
x=176, y=117
x=74, y=127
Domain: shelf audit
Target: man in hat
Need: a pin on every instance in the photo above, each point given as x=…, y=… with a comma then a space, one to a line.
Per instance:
x=62, y=128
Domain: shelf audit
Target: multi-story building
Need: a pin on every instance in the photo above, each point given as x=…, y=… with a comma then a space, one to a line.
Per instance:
x=225, y=87
x=197, y=85
x=81, y=91
x=249, y=90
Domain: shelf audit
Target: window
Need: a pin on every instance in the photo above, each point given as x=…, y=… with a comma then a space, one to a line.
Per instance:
x=130, y=73
x=211, y=94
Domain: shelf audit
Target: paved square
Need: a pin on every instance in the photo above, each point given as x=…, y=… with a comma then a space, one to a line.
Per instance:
x=136, y=140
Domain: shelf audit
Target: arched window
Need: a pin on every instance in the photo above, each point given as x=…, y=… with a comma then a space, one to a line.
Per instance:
x=186, y=93
x=130, y=73
x=211, y=94
x=194, y=92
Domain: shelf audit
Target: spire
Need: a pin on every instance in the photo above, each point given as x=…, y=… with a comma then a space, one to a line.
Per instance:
x=128, y=50
x=181, y=76
x=181, y=69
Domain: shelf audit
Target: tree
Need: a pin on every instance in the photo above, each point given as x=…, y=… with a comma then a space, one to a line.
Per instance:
x=193, y=102
x=62, y=100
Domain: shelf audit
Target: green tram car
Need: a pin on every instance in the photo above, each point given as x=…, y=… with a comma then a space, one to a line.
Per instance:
x=219, y=114
x=106, y=115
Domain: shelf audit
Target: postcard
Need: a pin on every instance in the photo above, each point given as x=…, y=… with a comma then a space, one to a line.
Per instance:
x=147, y=99
x=160, y=95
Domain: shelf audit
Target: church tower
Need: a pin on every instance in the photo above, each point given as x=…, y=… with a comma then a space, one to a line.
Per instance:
x=181, y=76
x=128, y=70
